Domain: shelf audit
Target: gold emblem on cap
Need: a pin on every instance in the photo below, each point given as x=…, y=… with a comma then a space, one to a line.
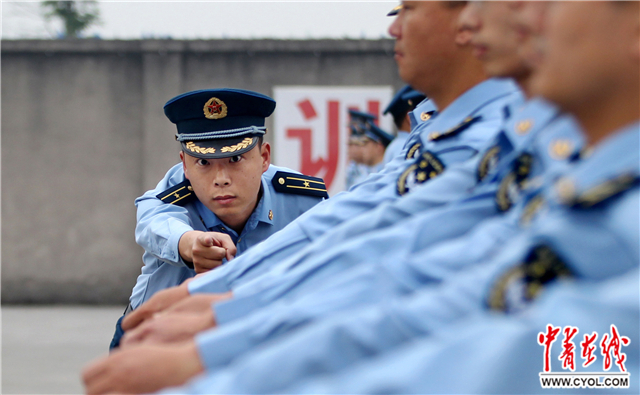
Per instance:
x=566, y=190
x=271, y=214
x=524, y=126
x=281, y=181
x=215, y=108
x=425, y=116
x=560, y=149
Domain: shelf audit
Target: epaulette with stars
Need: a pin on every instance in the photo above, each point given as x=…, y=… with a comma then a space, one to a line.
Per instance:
x=179, y=194
x=299, y=184
x=435, y=136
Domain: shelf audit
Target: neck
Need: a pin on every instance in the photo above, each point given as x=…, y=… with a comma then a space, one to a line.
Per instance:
x=460, y=80
x=603, y=118
x=237, y=224
x=524, y=82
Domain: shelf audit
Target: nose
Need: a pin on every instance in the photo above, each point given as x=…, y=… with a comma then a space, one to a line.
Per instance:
x=468, y=19
x=394, y=29
x=221, y=178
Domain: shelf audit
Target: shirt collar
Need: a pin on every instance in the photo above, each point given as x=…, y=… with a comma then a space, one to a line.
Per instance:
x=616, y=155
x=475, y=99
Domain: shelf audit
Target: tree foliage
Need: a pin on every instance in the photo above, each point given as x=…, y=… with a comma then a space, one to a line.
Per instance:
x=75, y=15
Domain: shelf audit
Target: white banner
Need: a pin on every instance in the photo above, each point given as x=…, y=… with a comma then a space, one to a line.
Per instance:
x=312, y=127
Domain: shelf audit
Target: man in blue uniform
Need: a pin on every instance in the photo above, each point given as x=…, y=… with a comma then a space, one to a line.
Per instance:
x=223, y=198
x=366, y=149
x=404, y=102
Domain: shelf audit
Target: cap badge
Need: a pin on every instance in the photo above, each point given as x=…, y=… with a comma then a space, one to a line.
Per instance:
x=215, y=108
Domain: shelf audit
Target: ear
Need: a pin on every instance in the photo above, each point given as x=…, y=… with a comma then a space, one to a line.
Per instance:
x=184, y=165
x=266, y=156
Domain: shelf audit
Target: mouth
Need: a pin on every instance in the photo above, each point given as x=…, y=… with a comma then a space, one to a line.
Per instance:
x=226, y=199
x=479, y=50
x=397, y=54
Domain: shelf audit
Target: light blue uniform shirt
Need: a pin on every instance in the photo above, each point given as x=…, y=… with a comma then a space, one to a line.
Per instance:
x=338, y=250
x=396, y=146
x=586, y=229
x=486, y=99
x=501, y=354
x=414, y=260
x=161, y=225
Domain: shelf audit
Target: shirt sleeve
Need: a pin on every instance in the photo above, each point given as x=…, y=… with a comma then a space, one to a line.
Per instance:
x=160, y=226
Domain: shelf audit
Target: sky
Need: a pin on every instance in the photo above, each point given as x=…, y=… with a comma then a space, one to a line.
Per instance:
x=183, y=19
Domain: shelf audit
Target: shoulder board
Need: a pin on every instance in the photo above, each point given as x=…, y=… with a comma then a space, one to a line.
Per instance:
x=179, y=194
x=597, y=194
x=455, y=130
x=299, y=184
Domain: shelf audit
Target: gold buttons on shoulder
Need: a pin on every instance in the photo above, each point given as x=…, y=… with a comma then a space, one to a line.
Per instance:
x=524, y=126
x=560, y=149
x=270, y=215
x=425, y=116
x=281, y=181
x=190, y=188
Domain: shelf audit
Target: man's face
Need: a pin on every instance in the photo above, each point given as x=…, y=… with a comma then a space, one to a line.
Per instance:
x=425, y=33
x=528, y=20
x=590, y=53
x=229, y=187
x=493, y=37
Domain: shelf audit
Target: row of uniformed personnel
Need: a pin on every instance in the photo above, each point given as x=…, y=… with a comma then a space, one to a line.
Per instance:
x=514, y=205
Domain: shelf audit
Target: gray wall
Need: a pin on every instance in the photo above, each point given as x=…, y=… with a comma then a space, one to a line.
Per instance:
x=83, y=134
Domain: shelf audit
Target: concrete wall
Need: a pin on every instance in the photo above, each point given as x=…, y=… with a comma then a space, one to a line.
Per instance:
x=83, y=134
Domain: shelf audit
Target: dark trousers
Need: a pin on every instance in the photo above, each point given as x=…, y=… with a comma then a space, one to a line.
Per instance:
x=115, y=342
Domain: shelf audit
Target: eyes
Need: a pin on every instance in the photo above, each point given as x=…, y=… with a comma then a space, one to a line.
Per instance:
x=233, y=159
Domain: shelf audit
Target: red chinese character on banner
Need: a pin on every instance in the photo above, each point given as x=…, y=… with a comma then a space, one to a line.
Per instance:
x=546, y=340
x=568, y=356
x=614, y=345
x=588, y=347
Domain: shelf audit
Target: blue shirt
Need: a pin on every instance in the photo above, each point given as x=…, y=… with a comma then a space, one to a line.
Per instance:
x=486, y=99
x=414, y=259
x=338, y=250
x=586, y=228
x=161, y=225
x=396, y=146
